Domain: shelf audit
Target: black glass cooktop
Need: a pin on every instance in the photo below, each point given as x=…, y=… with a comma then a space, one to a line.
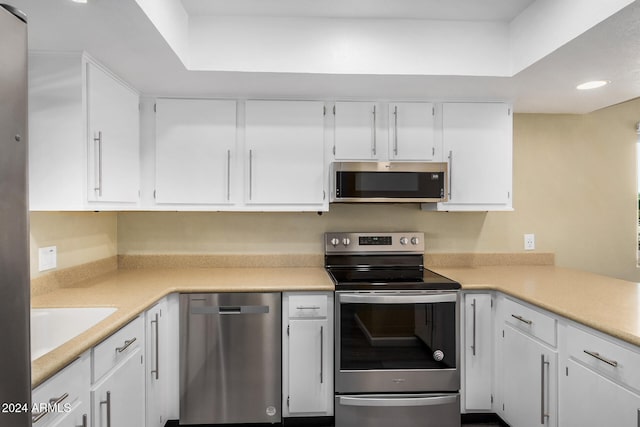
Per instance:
x=390, y=278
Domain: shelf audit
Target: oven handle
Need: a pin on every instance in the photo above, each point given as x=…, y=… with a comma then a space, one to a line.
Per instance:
x=397, y=299
x=393, y=401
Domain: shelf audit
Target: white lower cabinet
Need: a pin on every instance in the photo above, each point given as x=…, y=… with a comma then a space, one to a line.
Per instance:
x=161, y=368
x=63, y=400
x=599, y=381
x=529, y=381
x=118, y=390
x=478, y=352
x=307, y=355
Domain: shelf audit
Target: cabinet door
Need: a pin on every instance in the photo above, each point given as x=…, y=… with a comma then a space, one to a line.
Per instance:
x=355, y=131
x=308, y=354
x=477, y=140
x=113, y=133
x=478, y=352
x=285, y=152
x=529, y=381
x=157, y=368
x=589, y=399
x=195, y=151
x=411, y=131
x=78, y=416
x=118, y=399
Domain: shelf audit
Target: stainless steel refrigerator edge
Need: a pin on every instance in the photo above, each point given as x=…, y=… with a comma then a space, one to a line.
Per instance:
x=230, y=358
x=15, y=375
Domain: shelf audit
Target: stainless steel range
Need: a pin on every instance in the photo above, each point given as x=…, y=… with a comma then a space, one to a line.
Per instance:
x=397, y=352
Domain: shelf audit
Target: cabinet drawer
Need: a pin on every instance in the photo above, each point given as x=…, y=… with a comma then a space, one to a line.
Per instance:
x=117, y=347
x=606, y=357
x=531, y=321
x=64, y=389
x=307, y=306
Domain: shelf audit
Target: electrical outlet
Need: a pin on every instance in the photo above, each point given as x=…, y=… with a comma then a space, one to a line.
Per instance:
x=47, y=258
x=529, y=242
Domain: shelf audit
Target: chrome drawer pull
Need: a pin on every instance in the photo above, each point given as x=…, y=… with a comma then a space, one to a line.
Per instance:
x=126, y=345
x=522, y=319
x=307, y=307
x=543, y=414
x=53, y=402
x=602, y=359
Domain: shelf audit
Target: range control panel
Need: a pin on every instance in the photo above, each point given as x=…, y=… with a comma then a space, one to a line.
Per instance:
x=402, y=242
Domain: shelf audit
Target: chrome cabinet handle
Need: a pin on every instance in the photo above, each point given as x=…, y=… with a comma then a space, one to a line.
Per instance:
x=374, y=148
x=450, y=172
x=522, y=319
x=321, y=354
x=601, y=358
x=98, y=187
x=126, y=345
x=53, y=402
x=108, y=403
x=397, y=299
x=473, y=346
x=543, y=415
x=308, y=307
x=250, y=174
x=84, y=420
x=228, y=175
x=395, y=130
x=156, y=371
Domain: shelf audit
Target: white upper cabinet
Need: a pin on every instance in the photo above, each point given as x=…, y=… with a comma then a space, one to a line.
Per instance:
x=284, y=154
x=84, y=136
x=362, y=132
x=355, y=131
x=195, y=151
x=411, y=131
x=114, y=138
x=477, y=141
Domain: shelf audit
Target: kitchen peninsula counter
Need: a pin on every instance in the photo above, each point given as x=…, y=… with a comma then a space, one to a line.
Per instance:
x=603, y=303
x=132, y=291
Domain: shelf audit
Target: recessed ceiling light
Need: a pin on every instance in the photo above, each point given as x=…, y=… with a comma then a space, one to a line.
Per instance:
x=594, y=84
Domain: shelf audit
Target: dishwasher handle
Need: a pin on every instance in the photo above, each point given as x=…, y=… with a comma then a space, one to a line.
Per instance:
x=231, y=309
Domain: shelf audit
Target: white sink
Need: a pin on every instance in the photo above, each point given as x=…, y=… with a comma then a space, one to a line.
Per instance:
x=52, y=327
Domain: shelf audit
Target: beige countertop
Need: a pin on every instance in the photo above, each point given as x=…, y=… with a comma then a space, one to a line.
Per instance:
x=133, y=291
x=603, y=303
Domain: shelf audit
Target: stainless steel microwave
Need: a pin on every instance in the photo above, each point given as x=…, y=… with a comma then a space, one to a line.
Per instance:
x=393, y=182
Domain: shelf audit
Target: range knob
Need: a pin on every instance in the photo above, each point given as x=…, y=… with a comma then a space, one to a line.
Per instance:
x=415, y=241
x=438, y=355
x=404, y=240
x=335, y=242
x=346, y=241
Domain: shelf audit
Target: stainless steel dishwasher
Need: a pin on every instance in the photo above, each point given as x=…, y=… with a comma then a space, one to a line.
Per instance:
x=230, y=358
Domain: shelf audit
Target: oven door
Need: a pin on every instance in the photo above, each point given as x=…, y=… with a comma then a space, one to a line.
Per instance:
x=396, y=342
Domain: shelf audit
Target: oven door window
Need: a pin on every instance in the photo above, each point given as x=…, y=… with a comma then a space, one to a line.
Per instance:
x=397, y=336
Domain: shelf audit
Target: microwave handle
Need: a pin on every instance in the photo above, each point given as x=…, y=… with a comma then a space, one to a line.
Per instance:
x=398, y=299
